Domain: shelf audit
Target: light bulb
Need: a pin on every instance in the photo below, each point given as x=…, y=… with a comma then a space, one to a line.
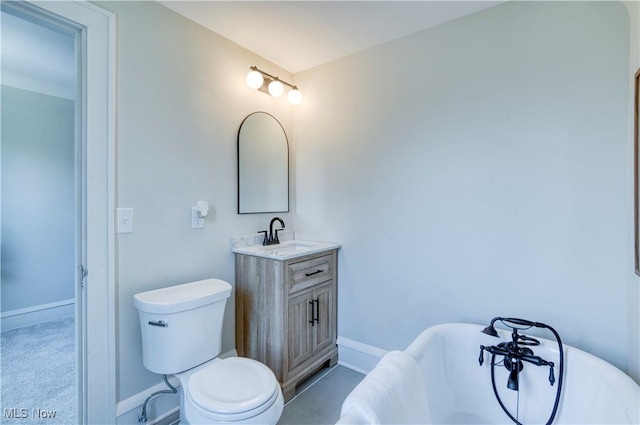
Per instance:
x=294, y=96
x=276, y=88
x=255, y=79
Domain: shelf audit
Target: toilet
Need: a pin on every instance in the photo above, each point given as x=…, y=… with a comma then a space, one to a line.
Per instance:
x=182, y=335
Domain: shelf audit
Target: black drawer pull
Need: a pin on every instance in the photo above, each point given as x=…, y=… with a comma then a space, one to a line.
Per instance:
x=312, y=273
x=160, y=323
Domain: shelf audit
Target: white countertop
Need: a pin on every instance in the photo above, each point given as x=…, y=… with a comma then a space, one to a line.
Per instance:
x=286, y=250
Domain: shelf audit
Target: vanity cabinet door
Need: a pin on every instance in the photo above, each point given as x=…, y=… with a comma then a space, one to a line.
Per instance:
x=324, y=330
x=311, y=323
x=300, y=331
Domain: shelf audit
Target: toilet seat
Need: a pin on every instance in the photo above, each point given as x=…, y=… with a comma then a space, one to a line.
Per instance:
x=233, y=389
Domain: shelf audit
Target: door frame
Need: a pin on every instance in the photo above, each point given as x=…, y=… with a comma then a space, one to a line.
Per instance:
x=95, y=295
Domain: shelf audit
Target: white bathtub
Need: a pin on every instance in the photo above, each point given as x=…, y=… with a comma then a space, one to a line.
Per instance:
x=459, y=390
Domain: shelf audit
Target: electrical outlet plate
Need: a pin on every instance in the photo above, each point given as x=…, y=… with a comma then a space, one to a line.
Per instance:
x=196, y=222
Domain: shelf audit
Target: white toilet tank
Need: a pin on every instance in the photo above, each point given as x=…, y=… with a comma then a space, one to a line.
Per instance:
x=182, y=325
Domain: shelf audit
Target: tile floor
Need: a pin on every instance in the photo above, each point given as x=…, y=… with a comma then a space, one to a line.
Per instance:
x=319, y=399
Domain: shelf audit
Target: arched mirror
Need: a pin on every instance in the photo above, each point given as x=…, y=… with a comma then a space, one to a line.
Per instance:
x=263, y=165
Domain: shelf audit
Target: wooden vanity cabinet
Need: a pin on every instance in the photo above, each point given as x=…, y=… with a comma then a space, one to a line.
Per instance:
x=286, y=314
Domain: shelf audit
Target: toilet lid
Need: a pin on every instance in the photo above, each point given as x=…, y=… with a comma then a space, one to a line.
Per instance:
x=233, y=385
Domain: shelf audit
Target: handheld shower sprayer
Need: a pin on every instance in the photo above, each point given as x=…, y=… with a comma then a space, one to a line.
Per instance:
x=516, y=352
x=491, y=330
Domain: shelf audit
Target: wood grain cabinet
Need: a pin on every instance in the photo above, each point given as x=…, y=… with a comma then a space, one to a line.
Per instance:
x=286, y=314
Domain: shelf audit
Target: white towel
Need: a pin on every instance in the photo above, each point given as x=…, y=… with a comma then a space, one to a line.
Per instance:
x=394, y=392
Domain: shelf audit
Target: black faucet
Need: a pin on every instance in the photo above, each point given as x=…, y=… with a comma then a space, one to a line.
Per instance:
x=515, y=353
x=271, y=239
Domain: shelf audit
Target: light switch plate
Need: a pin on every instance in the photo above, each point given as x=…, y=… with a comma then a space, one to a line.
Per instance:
x=124, y=220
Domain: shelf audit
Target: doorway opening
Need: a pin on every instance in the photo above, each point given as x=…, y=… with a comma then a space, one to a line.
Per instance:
x=42, y=219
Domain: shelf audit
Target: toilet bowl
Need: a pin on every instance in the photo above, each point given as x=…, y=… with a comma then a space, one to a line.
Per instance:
x=181, y=335
x=232, y=390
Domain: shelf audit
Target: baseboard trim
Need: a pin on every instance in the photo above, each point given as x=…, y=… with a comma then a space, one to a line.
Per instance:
x=358, y=356
x=170, y=418
x=159, y=408
x=40, y=313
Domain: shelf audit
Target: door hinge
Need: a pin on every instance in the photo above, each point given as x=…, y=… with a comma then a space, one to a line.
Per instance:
x=83, y=275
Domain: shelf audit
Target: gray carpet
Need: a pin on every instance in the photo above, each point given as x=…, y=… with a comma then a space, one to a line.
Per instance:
x=38, y=374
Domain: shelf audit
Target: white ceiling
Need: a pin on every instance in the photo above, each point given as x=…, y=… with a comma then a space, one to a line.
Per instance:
x=298, y=35
x=295, y=35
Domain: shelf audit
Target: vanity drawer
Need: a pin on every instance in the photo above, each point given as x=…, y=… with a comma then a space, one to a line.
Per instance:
x=307, y=273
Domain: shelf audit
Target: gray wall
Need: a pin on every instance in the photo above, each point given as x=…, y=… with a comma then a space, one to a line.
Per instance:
x=181, y=98
x=634, y=281
x=477, y=169
x=38, y=213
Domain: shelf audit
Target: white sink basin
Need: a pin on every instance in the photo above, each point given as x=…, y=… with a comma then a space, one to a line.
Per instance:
x=287, y=250
x=289, y=246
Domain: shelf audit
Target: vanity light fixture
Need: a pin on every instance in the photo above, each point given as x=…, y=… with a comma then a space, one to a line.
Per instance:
x=275, y=88
x=255, y=80
x=267, y=83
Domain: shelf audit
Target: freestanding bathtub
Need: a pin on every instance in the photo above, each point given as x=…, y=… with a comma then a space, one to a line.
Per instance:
x=459, y=391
